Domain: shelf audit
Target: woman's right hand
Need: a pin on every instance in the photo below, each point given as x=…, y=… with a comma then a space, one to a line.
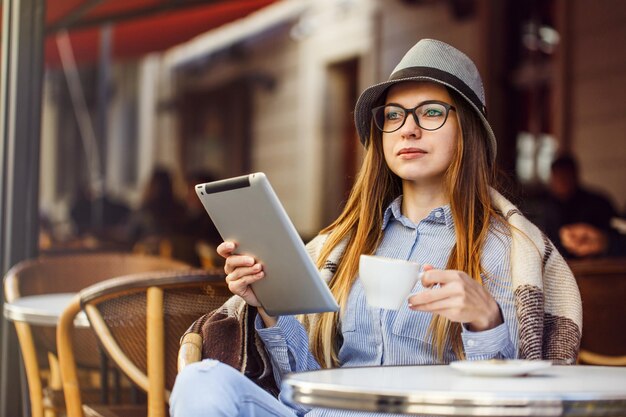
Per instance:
x=241, y=271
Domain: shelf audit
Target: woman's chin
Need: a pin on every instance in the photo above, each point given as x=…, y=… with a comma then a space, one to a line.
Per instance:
x=419, y=176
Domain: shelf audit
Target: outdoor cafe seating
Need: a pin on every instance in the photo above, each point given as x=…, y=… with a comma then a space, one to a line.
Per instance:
x=32, y=286
x=139, y=320
x=138, y=307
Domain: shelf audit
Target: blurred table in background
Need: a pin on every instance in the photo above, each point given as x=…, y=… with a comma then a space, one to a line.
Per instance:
x=42, y=310
x=602, y=285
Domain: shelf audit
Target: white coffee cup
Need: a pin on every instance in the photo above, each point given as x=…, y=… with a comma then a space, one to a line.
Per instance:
x=387, y=282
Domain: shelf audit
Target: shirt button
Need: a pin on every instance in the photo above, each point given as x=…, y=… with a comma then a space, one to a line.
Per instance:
x=438, y=214
x=471, y=343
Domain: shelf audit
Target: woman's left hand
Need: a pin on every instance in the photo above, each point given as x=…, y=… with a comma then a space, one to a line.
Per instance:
x=458, y=298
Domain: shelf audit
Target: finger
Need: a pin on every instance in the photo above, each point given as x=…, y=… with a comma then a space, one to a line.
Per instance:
x=438, y=276
x=243, y=271
x=241, y=285
x=452, y=314
x=225, y=249
x=438, y=307
x=425, y=268
x=238, y=261
x=430, y=296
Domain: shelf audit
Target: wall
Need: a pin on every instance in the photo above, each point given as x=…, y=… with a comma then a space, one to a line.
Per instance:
x=275, y=116
x=336, y=32
x=402, y=25
x=598, y=94
x=272, y=58
x=287, y=118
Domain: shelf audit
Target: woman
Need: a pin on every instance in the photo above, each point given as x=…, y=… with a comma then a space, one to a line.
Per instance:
x=423, y=194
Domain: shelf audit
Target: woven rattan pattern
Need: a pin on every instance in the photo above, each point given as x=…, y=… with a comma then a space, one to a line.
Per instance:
x=70, y=273
x=125, y=316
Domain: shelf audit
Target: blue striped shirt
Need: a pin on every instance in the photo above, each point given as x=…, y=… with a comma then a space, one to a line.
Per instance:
x=374, y=336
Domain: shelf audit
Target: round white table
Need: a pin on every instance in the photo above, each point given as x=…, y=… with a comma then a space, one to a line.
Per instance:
x=441, y=390
x=45, y=310
x=42, y=309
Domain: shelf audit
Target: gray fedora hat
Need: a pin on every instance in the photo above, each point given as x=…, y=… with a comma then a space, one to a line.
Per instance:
x=436, y=61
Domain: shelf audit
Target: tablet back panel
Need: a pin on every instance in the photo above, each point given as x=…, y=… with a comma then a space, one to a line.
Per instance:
x=247, y=211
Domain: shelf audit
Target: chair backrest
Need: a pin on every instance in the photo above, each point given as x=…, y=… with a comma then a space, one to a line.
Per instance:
x=139, y=320
x=602, y=284
x=60, y=274
x=72, y=273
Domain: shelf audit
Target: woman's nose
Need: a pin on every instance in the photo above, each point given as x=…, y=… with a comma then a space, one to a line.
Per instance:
x=411, y=129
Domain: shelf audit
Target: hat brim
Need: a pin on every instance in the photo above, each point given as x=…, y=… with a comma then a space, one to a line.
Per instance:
x=369, y=97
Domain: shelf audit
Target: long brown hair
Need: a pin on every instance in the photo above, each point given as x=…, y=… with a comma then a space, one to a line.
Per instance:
x=467, y=182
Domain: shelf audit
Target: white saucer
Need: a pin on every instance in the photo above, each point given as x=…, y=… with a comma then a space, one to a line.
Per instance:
x=498, y=367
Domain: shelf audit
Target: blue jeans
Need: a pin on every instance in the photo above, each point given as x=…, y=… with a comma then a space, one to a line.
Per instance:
x=210, y=388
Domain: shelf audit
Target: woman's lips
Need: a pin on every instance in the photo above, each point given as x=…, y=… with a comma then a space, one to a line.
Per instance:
x=411, y=153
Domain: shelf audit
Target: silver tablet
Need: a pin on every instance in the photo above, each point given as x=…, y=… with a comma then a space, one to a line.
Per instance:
x=247, y=211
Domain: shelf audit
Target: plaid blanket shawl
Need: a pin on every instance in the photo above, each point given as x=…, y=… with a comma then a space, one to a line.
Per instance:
x=547, y=300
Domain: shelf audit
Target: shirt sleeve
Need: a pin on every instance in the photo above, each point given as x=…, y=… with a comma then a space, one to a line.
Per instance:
x=489, y=344
x=287, y=344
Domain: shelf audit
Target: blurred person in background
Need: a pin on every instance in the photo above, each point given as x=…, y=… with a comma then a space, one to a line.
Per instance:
x=579, y=218
x=197, y=224
x=99, y=217
x=159, y=218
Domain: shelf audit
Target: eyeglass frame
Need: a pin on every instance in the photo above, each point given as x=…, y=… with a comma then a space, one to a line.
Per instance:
x=407, y=112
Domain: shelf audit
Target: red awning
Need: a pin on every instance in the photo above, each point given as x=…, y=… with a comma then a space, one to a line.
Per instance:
x=138, y=26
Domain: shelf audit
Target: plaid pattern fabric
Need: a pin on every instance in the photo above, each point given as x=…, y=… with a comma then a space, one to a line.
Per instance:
x=549, y=308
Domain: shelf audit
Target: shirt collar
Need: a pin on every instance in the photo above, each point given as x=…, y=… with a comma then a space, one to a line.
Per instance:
x=441, y=215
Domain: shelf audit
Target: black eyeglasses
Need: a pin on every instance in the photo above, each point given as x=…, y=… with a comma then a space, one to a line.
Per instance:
x=429, y=115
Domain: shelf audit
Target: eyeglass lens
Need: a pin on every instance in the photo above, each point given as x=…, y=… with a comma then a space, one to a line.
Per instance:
x=429, y=116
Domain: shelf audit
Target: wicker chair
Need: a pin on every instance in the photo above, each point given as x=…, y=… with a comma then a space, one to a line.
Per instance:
x=60, y=274
x=602, y=284
x=139, y=320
